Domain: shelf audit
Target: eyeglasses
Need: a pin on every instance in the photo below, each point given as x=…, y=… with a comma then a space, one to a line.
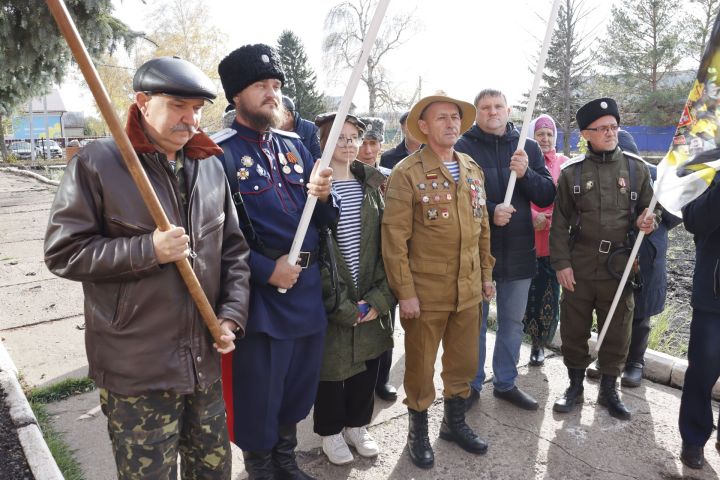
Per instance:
x=350, y=142
x=605, y=129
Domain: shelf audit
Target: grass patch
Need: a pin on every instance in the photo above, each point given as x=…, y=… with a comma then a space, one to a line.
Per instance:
x=60, y=450
x=664, y=338
x=61, y=390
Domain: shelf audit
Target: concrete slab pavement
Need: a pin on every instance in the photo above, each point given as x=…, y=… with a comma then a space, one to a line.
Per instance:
x=46, y=346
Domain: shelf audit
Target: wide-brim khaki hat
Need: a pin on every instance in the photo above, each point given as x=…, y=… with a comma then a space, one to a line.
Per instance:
x=467, y=111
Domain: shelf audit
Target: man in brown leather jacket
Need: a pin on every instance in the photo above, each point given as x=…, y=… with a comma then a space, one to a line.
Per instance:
x=148, y=349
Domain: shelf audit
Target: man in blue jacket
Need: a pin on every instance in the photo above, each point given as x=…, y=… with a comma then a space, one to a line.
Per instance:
x=271, y=379
x=306, y=130
x=493, y=143
x=696, y=418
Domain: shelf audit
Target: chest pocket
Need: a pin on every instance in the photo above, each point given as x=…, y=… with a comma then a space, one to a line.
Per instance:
x=250, y=182
x=435, y=206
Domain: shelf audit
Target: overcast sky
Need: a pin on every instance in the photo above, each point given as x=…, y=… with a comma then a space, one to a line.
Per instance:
x=461, y=46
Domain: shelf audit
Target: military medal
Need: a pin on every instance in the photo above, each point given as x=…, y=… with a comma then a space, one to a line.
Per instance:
x=425, y=199
x=243, y=174
x=448, y=196
x=589, y=185
x=421, y=186
x=291, y=157
x=298, y=168
x=286, y=169
x=431, y=176
x=246, y=161
x=437, y=198
x=434, y=185
x=432, y=213
x=445, y=213
x=446, y=184
x=282, y=159
x=260, y=170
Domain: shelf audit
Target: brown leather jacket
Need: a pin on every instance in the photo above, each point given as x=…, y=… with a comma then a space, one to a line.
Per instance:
x=143, y=332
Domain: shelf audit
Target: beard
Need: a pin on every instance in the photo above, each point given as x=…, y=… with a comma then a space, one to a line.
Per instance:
x=262, y=120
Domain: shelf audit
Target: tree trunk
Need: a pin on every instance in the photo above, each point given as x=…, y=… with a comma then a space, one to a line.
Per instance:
x=2, y=140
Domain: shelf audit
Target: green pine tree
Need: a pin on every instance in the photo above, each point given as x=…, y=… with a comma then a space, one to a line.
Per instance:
x=33, y=53
x=300, y=79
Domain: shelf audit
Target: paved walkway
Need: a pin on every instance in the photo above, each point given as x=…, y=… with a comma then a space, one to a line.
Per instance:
x=38, y=324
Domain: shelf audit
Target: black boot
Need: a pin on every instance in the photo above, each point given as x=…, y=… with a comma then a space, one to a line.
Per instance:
x=632, y=374
x=454, y=428
x=537, y=355
x=574, y=393
x=421, y=452
x=283, y=455
x=608, y=397
x=259, y=465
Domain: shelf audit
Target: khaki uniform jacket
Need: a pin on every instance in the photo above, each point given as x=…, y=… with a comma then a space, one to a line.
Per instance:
x=436, y=234
x=603, y=201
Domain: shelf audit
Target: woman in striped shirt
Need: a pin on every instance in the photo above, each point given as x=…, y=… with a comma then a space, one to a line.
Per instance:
x=359, y=327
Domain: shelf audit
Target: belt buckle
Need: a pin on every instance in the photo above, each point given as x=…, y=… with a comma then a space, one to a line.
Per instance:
x=303, y=259
x=605, y=246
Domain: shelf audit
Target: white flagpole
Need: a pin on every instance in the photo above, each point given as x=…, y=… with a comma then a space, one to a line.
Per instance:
x=533, y=94
x=337, y=125
x=623, y=280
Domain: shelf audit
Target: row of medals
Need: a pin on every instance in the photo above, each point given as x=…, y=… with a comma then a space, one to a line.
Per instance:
x=247, y=162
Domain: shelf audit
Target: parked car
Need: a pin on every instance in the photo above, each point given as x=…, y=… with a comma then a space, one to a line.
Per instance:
x=48, y=148
x=22, y=150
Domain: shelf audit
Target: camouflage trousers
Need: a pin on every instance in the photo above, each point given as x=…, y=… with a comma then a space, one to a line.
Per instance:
x=149, y=431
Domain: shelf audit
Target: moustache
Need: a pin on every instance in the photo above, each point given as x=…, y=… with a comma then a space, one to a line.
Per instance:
x=184, y=128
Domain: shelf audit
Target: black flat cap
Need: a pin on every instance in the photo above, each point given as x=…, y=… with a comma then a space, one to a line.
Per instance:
x=595, y=109
x=173, y=76
x=249, y=64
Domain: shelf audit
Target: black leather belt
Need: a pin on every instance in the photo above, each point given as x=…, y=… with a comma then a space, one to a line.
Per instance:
x=305, y=259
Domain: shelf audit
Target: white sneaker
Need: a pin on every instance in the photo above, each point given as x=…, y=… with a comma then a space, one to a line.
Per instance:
x=362, y=441
x=336, y=449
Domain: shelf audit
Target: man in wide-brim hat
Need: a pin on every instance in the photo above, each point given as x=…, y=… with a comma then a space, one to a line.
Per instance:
x=436, y=249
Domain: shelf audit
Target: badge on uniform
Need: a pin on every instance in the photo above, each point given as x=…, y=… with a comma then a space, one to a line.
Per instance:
x=298, y=168
x=246, y=161
x=431, y=176
x=432, y=213
x=446, y=184
x=286, y=169
x=589, y=185
x=435, y=185
x=448, y=196
x=261, y=171
x=421, y=186
x=622, y=185
x=425, y=199
x=282, y=159
x=243, y=174
x=445, y=213
x=291, y=157
x=437, y=198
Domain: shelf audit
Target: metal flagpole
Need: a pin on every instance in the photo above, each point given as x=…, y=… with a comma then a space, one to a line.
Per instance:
x=533, y=94
x=337, y=125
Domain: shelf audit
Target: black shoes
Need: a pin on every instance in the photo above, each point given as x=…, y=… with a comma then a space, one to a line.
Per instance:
x=518, y=398
x=387, y=392
x=472, y=399
x=632, y=375
x=593, y=371
x=574, y=393
x=418, y=443
x=454, y=428
x=692, y=456
x=283, y=456
x=259, y=465
x=537, y=355
x=608, y=397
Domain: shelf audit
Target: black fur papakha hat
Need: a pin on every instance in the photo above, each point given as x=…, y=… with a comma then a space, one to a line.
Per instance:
x=247, y=65
x=595, y=109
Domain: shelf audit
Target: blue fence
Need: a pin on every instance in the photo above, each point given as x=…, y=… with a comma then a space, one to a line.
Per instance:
x=648, y=139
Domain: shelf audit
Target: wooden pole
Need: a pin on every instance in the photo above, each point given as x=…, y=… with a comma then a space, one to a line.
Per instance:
x=539, y=68
x=69, y=31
